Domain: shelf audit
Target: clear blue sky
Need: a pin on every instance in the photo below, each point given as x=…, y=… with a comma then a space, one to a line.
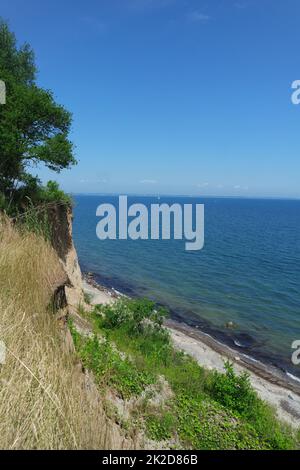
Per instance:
x=172, y=96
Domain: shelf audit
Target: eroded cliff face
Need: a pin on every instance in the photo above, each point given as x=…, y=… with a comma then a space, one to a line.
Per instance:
x=68, y=297
x=60, y=218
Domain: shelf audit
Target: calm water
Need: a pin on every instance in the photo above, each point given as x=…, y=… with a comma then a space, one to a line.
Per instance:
x=247, y=273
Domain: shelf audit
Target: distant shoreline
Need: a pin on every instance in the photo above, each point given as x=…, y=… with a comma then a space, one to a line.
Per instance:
x=202, y=196
x=271, y=384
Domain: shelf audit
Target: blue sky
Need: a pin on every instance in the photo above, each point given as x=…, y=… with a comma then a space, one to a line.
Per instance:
x=172, y=96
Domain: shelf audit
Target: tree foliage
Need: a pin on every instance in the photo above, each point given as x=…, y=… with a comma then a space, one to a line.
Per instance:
x=34, y=129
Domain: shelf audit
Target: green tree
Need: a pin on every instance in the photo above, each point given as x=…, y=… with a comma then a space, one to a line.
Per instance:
x=34, y=129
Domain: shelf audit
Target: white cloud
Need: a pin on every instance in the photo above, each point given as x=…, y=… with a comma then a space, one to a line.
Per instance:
x=148, y=182
x=242, y=188
x=202, y=185
x=93, y=181
x=101, y=180
x=197, y=17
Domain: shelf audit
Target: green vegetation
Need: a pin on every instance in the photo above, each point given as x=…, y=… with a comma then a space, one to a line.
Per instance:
x=36, y=217
x=87, y=298
x=52, y=193
x=36, y=221
x=33, y=130
x=44, y=400
x=207, y=410
x=108, y=366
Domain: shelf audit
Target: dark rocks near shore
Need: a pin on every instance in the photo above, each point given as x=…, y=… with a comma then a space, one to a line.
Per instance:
x=89, y=278
x=230, y=325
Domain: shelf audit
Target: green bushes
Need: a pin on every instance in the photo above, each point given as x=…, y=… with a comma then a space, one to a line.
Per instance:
x=109, y=367
x=32, y=194
x=208, y=410
x=205, y=424
x=52, y=193
x=138, y=316
x=233, y=391
x=30, y=205
x=137, y=327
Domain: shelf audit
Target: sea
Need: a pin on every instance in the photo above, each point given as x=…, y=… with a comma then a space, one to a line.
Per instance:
x=242, y=288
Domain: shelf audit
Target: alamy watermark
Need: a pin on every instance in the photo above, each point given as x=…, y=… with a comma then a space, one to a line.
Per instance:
x=296, y=353
x=138, y=222
x=2, y=92
x=295, y=97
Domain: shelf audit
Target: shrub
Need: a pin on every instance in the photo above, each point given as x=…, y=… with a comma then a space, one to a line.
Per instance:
x=138, y=316
x=233, y=391
x=52, y=193
x=114, y=315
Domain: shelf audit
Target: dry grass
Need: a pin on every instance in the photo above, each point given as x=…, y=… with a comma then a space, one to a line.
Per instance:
x=45, y=402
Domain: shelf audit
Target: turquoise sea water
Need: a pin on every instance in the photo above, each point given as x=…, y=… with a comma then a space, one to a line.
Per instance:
x=248, y=271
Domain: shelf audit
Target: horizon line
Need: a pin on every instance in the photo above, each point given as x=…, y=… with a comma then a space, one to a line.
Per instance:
x=286, y=198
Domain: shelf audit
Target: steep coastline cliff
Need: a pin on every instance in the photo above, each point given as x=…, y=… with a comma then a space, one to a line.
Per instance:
x=269, y=386
x=60, y=218
x=48, y=400
x=82, y=375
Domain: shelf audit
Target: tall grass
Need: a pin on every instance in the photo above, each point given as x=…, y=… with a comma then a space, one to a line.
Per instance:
x=45, y=402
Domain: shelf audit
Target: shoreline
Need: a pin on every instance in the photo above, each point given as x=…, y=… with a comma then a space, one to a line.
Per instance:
x=271, y=384
x=236, y=345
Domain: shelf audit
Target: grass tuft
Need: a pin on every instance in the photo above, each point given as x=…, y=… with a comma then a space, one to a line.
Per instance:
x=44, y=400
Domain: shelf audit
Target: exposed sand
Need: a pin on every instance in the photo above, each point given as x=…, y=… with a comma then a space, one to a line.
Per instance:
x=97, y=296
x=271, y=387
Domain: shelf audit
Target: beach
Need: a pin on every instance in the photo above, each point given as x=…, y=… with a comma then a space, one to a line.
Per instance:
x=271, y=385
